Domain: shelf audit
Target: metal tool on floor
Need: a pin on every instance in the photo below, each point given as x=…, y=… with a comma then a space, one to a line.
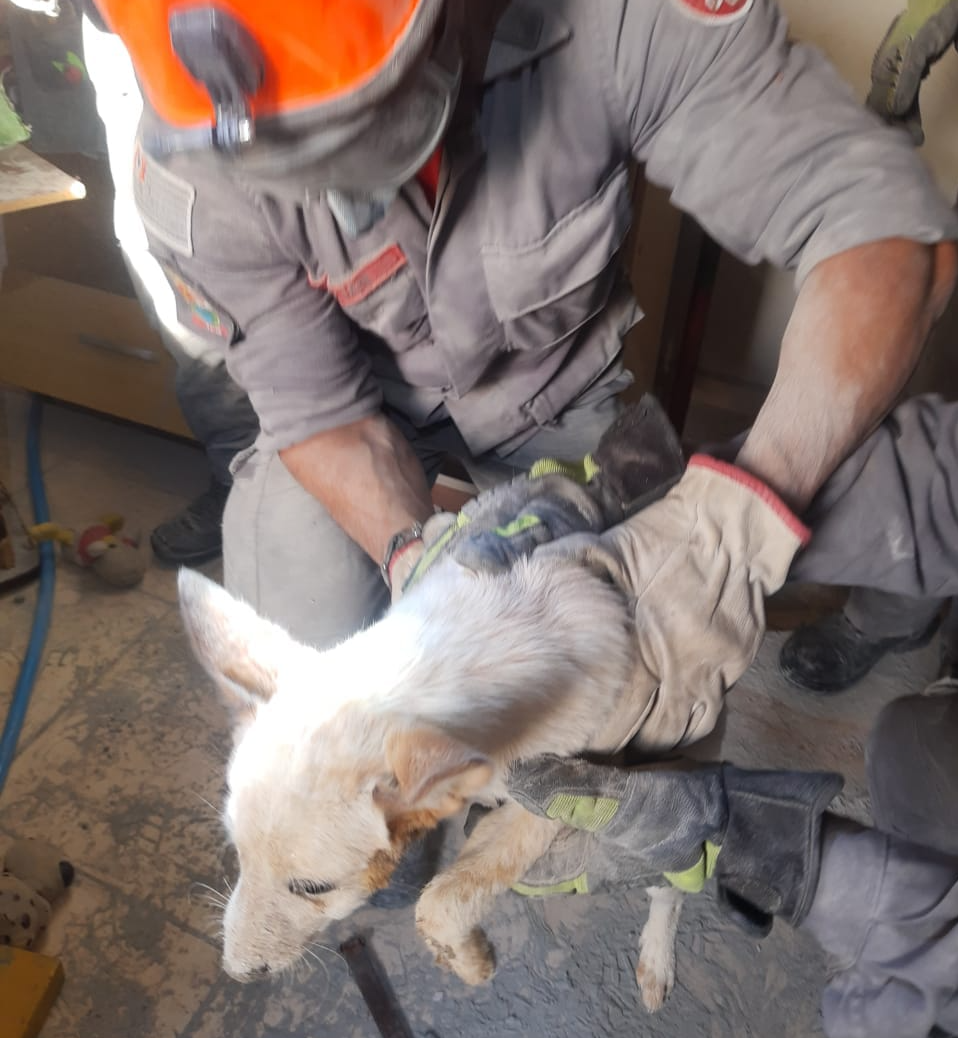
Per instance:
x=376, y=990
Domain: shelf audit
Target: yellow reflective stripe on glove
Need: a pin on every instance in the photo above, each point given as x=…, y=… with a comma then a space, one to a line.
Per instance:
x=692, y=880
x=590, y=813
x=577, y=885
x=433, y=550
x=583, y=471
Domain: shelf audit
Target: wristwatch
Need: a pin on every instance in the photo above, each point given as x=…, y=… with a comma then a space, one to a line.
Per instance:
x=397, y=542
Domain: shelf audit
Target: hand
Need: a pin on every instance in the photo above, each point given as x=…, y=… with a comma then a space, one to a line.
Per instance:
x=697, y=566
x=638, y=457
x=916, y=39
x=757, y=832
x=503, y=524
x=663, y=820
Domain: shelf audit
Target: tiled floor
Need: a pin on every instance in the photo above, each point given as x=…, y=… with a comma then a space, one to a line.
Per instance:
x=121, y=764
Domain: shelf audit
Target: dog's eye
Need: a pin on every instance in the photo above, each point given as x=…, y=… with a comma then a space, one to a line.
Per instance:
x=309, y=887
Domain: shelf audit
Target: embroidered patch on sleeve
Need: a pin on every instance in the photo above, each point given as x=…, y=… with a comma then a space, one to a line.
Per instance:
x=165, y=202
x=715, y=12
x=364, y=281
x=197, y=311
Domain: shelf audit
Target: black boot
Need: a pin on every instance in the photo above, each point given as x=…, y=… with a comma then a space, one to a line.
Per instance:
x=196, y=534
x=832, y=655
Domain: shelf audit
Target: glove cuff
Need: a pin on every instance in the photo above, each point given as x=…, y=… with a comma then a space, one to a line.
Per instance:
x=764, y=493
x=771, y=853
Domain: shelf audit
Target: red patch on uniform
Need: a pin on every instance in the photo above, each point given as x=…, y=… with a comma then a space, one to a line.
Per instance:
x=369, y=277
x=715, y=11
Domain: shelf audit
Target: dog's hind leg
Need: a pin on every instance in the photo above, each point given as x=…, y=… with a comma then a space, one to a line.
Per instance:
x=655, y=972
x=501, y=849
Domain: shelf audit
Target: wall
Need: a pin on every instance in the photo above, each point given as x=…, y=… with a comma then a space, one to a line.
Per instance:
x=752, y=305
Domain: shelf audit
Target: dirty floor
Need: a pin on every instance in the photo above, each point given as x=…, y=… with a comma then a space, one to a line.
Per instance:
x=121, y=764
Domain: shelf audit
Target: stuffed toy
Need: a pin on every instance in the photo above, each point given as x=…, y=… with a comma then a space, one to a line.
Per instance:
x=33, y=878
x=115, y=557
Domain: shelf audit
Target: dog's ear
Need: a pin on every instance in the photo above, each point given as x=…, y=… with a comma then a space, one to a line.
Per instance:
x=240, y=651
x=431, y=772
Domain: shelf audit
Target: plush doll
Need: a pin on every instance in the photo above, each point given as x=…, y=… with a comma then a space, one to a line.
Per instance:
x=114, y=556
x=33, y=878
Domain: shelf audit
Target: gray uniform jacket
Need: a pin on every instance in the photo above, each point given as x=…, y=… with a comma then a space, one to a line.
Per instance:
x=498, y=307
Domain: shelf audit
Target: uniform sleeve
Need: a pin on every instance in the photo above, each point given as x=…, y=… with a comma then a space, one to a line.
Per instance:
x=888, y=516
x=758, y=138
x=238, y=280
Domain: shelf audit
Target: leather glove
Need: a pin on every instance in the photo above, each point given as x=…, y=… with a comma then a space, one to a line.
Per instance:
x=637, y=459
x=916, y=39
x=507, y=523
x=510, y=521
x=696, y=566
x=757, y=832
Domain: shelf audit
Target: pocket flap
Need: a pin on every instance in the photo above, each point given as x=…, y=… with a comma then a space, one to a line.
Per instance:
x=576, y=250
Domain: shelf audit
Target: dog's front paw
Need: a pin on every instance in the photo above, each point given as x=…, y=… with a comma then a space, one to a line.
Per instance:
x=470, y=956
x=655, y=974
x=475, y=960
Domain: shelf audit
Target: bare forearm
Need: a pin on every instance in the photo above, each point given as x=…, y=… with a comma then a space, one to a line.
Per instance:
x=367, y=477
x=857, y=330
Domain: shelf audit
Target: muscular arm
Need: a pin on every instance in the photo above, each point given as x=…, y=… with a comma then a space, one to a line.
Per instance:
x=366, y=476
x=856, y=332
x=763, y=143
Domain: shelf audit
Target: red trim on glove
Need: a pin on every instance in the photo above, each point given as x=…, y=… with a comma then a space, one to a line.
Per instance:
x=757, y=487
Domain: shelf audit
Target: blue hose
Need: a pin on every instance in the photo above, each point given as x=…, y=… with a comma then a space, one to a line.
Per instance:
x=44, y=606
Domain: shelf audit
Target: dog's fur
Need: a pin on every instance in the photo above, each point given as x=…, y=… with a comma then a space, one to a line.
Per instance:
x=343, y=757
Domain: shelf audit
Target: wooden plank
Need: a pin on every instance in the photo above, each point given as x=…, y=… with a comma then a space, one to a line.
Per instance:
x=28, y=181
x=29, y=985
x=86, y=347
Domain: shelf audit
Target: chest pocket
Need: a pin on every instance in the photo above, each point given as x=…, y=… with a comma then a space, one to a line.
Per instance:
x=544, y=291
x=382, y=296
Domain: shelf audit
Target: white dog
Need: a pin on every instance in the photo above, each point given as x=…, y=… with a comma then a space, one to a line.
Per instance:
x=343, y=757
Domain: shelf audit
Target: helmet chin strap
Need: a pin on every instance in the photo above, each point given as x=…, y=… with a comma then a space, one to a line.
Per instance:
x=219, y=52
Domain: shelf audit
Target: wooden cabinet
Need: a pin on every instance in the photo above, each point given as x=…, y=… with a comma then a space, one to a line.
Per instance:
x=70, y=324
x=87, y=347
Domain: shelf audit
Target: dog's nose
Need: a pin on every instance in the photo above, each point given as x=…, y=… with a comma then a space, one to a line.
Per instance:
x=261, y=971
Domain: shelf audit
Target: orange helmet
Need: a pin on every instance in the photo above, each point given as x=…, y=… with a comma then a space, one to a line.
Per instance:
x=295, y=84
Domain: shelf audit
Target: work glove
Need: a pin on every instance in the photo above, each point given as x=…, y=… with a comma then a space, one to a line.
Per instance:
x=506, y=523
x=637, y=459
x=697, y=566
x=496, y=528
x=916, y=39
x=758, y=833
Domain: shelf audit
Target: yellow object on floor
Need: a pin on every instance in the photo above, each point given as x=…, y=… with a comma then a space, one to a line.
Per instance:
x=29, y=985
